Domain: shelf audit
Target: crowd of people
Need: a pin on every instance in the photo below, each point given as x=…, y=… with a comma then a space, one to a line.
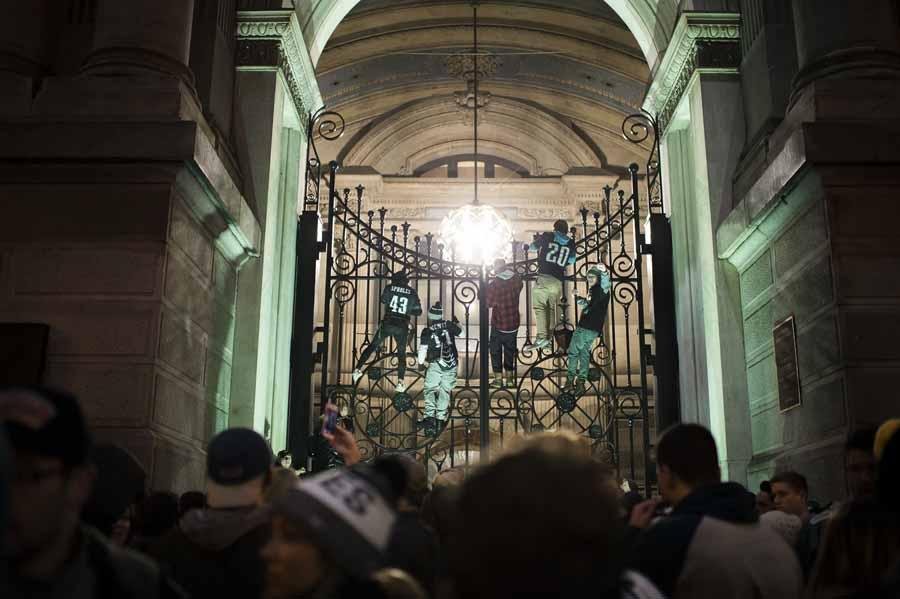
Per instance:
x=542, y=519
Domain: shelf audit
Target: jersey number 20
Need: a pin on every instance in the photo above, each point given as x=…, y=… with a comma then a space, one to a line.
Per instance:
x=557, y=254
x=399, y=304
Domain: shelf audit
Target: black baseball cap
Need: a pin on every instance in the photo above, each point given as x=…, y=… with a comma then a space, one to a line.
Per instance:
x=64, y=435
x=237, y=455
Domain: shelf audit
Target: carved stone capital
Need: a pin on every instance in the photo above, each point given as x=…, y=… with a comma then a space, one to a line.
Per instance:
x=272, y=40
x=705, y=42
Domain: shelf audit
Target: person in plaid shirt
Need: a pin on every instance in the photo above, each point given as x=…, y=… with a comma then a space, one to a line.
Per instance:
x=503, y=299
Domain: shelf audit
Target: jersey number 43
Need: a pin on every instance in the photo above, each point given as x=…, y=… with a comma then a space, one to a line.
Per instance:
x=399, y=304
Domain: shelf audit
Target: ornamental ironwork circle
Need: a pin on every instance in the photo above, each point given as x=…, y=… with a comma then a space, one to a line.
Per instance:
x=402, y=402
x=566, y=401
x=366, y=246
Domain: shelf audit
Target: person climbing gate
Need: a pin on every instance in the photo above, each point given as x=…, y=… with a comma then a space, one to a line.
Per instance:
x=556, y=250
x=437, y=346
x=400, y=303
x=590, y=325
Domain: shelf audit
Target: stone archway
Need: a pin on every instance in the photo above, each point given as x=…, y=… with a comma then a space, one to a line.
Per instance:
x=651, y=21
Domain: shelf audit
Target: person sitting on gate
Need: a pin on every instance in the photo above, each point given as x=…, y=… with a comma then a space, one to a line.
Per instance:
x=437, y=346
x=503, y=300
x=556, y=250
x=593, y=315
x=401, y=302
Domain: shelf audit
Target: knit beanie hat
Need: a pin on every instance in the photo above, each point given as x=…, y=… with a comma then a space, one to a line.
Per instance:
x=602, y=275
x=348, y=513
x=436, y=312
x=399, y=278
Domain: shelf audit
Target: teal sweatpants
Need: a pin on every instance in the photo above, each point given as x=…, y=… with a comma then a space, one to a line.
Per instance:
x=580, y=352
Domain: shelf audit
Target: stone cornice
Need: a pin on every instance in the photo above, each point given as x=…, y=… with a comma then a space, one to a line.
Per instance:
x=702, y=41
x=272, y=40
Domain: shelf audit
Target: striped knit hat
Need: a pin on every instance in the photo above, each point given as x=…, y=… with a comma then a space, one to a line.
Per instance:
x=436, y=312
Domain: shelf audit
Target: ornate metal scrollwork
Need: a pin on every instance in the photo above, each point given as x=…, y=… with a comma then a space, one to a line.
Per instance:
x=368, y=246
x=324, y=124
x=637, y=128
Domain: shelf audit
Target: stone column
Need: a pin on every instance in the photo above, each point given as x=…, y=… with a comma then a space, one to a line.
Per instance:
x=845, y=38
x=137, y=36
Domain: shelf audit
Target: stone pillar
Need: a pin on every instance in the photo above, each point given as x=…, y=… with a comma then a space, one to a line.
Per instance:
x=696, y=96
x=845, y=38
x=137, y=36
x=813, y=236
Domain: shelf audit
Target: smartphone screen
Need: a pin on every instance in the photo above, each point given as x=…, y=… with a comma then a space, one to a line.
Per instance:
x=331, y=416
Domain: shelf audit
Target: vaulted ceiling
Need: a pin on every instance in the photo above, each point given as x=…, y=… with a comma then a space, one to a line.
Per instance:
x=560, y=77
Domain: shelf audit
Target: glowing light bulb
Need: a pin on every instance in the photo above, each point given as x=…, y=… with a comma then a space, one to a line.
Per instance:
x=476, y=234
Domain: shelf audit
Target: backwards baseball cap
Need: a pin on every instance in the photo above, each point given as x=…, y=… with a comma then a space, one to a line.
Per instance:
x=62, y=434
x=436, y=312
x=237, y=455
x=561, y=226
x=348, y=513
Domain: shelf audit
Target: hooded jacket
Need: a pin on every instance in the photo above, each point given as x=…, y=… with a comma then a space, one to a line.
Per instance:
x=713, y=545
x=216, y=552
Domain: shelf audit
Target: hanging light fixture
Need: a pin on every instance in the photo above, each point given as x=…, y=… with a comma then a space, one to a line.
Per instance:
x=476, y=233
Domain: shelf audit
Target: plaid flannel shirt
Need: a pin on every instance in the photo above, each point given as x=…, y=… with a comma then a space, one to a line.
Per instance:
x=503, y=298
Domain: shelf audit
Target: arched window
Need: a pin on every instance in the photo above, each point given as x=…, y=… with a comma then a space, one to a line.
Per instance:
x=462, y=166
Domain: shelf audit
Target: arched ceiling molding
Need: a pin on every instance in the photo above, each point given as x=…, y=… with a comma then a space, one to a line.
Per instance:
x=432, y=154
x=609, y=32
x=506, y=121
x=497, y=38
x=391, y=156
x=651, y=22
x=601, y=122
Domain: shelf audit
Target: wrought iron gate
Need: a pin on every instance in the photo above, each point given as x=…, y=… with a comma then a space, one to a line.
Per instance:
x=363, y=246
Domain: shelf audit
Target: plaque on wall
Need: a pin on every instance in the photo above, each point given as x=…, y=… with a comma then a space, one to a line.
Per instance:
x=786, y=363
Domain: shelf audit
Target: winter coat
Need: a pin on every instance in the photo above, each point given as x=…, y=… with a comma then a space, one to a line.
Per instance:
x=594, y=308
x=98, y=570
x=713, y=545
x=215, y=553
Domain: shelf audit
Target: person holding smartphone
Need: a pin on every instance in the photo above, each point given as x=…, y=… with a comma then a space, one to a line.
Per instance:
x=593, y=316
x=400, y=302
x=437, y=346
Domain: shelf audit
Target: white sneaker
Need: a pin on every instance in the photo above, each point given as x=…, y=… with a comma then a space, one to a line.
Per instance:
x=536, y=344
x=357, y=374
x=401, y=388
